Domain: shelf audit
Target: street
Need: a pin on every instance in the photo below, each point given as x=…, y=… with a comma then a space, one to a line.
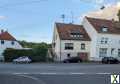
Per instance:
x=36, y=73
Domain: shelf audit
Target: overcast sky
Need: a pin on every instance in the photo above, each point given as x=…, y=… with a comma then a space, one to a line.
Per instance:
x=33, y=20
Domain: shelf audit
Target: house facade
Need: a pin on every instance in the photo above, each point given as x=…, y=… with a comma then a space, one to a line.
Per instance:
x=7, y=41
x=105, y=37
x=70, y=40
x=93, y=40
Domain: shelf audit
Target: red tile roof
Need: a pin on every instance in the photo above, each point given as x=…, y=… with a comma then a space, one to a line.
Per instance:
x=99, y=23
x=65, y=31
x=6, y=36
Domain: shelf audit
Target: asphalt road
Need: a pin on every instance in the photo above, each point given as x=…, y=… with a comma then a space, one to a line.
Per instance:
x=83, y=73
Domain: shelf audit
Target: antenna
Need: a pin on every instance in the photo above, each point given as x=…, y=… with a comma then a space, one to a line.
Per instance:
x=103, y=7
x=72, y=17
x=63, y=17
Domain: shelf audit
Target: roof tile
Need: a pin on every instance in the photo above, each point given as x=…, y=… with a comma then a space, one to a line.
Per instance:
x=99, y=23
x=6, y=36
x=65, y=31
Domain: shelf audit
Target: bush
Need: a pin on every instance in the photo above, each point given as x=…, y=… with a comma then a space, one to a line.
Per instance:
x=37, y=54
x=10, y=54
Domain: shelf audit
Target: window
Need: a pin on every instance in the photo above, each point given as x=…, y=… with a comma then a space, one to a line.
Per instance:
x=81, y=36
x=12, y=42
x=76, y=34
x=104, y=40
x=112, y=51
x=102, y=52
x=104, y=29
x=68, y=55
x=118, y=52
x=68, y=46
x=82, y=46
x=2, y=42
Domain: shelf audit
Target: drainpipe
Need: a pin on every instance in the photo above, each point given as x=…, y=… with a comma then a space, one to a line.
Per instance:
x=60, y=50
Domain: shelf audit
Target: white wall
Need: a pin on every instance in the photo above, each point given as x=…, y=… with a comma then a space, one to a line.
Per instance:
x=56, y=40
x=7, y=44
x=113, y=41
x=93, y=35
x=60, y=45
x=76, y=50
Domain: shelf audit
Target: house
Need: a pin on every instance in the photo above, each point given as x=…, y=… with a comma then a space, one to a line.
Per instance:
x=7, y=41
x=70, y=40
x=105, y=37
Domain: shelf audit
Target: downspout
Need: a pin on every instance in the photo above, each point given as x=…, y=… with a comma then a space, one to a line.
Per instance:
x=60, y=50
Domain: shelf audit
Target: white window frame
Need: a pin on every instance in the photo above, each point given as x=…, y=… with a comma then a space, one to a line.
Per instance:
x=104, y=29
x=104, y=40
x=69, y=46
x=103, y=52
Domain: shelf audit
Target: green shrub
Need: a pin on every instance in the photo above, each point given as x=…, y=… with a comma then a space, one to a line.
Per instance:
x=37, y=54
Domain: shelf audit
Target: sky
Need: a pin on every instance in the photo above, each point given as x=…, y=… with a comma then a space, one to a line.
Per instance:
x=33, y=20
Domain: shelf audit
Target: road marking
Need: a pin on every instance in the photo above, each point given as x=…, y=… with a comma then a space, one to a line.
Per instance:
x=62, y=73
x=103, y=73
x=30, y=77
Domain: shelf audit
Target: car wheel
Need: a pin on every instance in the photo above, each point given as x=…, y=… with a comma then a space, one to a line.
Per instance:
x=108, y=62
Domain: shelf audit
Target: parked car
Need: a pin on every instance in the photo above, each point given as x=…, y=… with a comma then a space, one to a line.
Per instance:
x=110, y=60
x=72, y=60
x=23, y=59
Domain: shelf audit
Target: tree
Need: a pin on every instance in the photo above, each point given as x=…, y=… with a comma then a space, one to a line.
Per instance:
x=37, y=54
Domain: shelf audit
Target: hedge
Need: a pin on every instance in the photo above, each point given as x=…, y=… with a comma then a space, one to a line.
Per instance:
x=35, y=54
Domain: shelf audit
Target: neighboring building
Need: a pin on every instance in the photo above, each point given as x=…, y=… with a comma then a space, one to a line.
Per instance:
x=7, y=41
x=70, y=40
x=105, y=37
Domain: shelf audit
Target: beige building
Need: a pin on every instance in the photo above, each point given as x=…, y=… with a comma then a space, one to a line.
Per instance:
x=70, y=40
x=94, y=39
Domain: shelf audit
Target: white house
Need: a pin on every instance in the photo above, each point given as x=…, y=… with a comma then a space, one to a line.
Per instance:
x=70, y=40
x=7, y=41
x=105, y=37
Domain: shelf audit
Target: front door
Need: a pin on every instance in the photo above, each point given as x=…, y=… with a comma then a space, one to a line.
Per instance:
x=83, y=56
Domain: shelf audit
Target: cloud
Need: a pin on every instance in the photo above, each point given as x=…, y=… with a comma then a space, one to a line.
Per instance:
x=99, y=1
x=90, y=1
x=109, y=12
x=2, y=17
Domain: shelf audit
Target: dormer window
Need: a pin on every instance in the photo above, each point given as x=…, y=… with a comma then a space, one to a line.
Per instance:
x=81, y=36
x=76, y=34
x=104, y=29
